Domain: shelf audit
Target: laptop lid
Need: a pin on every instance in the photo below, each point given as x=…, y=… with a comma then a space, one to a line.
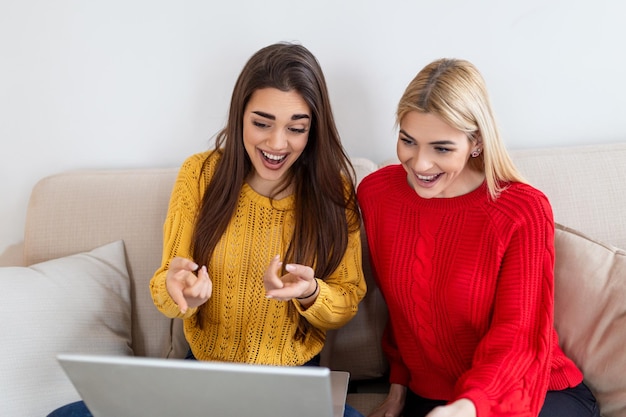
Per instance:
x=114, y=386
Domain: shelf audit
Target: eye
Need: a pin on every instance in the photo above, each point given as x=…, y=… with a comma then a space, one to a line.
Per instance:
x=441, y=149
x=259, y=124
x=406, y=140
x=297, y=130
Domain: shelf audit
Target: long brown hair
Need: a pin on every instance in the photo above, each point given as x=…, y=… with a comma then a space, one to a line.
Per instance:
x=322, y=177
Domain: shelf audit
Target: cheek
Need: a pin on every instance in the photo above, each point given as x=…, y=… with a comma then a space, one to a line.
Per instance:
x=407, y=157
x=245, y=133
x=402, y=152
x=298, y=144
x=250, y=137
x=456, y=165
x=249, y=143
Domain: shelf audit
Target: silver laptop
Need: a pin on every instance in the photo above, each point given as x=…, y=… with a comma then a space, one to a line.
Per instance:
x=121, y=386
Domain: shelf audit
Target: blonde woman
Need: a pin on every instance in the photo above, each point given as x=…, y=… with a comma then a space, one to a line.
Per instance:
x=462, y=249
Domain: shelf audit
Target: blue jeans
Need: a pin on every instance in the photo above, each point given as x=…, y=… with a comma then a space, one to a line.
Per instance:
x=79, y=409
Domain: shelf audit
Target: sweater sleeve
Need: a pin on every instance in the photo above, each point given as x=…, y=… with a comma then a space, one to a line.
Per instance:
x=511, y=366
x=178, y=231
x=341, y=292
x=398, y=371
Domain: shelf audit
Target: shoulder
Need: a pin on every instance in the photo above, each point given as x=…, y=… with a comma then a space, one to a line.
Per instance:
x=525, y=203
x=196, y=172
x=381, y=189
x=525, y=194
x=198, y=160
x=376, y=181
x=196, y=164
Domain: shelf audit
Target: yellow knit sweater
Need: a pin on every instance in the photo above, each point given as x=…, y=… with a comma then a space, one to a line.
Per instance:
x=240, y=324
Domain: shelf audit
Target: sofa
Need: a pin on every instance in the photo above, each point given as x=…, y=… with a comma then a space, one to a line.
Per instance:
x=93, y=239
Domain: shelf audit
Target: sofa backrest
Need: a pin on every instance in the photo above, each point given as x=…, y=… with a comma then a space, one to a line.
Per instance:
x=585, y=185
x=77, y=211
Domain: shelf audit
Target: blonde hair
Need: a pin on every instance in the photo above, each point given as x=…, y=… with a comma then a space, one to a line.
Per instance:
x=454, y=90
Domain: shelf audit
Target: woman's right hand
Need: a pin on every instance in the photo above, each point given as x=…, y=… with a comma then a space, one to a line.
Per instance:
x=187, y=289
x=393, y=404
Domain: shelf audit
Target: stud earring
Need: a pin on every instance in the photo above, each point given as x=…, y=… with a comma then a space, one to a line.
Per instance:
x=476, y=153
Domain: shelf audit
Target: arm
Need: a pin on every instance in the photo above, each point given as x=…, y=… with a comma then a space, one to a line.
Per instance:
x=177, y=233
x=338, y=296
x=393, y=404
x=511, y=365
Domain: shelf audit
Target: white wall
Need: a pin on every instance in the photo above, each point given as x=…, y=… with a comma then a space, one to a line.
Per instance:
x=138, y=83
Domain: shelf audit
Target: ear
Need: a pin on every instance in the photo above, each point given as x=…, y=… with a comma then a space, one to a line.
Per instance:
x=478, y=138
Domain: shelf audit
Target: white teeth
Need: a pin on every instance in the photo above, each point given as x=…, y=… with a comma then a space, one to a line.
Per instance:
x=426, y=177
x=273, y=157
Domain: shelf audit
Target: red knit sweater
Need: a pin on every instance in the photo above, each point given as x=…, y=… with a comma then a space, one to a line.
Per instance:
x=469, y=286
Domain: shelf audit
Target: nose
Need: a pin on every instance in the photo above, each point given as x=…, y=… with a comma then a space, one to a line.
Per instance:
x=421, y=162
x=277, y=140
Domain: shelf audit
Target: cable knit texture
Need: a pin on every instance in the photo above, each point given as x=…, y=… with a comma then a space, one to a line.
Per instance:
x=469, y=286
x=240, y=324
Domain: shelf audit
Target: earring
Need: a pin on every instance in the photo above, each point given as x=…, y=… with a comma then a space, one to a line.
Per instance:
x=476, y=153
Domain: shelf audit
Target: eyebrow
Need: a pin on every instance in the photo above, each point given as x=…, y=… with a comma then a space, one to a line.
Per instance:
x=436, y=142
x=272, y=117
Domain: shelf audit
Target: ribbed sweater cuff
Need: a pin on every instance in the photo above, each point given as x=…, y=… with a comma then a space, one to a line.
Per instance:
x=480, y=400
x=399, y=375
x=564, y=378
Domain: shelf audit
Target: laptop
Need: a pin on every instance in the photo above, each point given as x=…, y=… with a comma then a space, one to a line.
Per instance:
x=123, y=386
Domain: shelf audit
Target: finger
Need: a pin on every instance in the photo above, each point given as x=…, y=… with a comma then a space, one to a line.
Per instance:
x=205, y=283
x=271, y=279
x=179, y=299
x=176, y=280
x=190, y=278
x=182, y=270
x=200, y=291
x=179, y=263
x=275, y=265
x=305, y=272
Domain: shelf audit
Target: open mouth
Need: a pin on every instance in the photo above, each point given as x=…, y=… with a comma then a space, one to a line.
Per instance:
x=273, y=159
x=428, y=178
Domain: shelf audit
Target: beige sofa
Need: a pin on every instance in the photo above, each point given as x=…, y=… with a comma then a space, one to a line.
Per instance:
x=93, y=240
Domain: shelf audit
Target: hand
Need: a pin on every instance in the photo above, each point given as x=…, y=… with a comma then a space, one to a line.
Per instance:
x=393, y=404
x=186, y=289
x=299, y=281
x=459, y=408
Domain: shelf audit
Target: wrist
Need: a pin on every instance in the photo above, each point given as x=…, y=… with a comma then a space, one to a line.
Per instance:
x=304, y=297
x=397, y=392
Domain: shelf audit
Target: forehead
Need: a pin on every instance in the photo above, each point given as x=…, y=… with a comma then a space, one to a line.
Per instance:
x=429, y=127
x=278, y=103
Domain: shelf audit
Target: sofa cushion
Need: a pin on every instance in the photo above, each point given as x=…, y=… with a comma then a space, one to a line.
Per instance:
x=590, y=313
x=75, y=304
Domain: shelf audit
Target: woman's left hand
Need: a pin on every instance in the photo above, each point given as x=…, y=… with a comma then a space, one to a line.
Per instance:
x=298, y=282
x=459, y=408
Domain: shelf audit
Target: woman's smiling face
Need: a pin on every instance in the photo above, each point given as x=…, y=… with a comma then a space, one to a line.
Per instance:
x=275, y=132
x=435, y=155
